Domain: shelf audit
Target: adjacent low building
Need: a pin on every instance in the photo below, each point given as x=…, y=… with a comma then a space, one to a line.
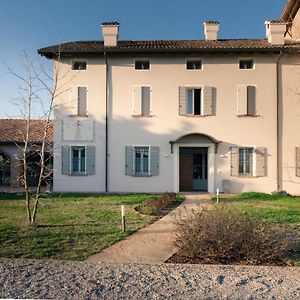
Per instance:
x=179, y=115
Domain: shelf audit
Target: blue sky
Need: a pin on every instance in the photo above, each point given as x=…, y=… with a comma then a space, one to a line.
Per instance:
x=32, y=24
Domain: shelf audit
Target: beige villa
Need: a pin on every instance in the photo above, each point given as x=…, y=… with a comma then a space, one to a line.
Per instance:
x=180, y=115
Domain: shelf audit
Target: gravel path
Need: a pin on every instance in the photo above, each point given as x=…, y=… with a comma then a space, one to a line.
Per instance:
x=50, y=279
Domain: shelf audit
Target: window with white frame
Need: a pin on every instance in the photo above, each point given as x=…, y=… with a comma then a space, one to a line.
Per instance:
x=193, y=103
x=246, y=64
x=246, y=161
x=141, y=160
x=79, y=65
x=141, y=101
x=194, y=64
x=142, y=64
x=78, y=160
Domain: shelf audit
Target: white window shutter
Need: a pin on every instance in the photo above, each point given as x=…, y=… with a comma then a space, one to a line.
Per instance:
x=234, y=161
x=261, y=157
x=82, y=100
x=90, y=160
x=137, y=101
x=207, y=100
x=73, y=100
x=145, y=101
x=182, y=101
x=65, y=160
x=242, y=100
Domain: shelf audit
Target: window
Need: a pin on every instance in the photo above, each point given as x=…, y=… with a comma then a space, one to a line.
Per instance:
x=193, y=104
x=82, y=101
x=246, y=100
x=249, y=161
x=246, y=64
x=246, y=161
x=194, y=65
x=141, y=101
x=142, y=160
x=79, y=65
x=78, y=160
x=142, y=64
x=78, y=163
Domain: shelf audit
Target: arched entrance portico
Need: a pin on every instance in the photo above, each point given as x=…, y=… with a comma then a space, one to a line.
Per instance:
x=194, y=158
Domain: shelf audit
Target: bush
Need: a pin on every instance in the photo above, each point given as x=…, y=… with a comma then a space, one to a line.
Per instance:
x=281, y=193
x=225, y=236
x=154, y=206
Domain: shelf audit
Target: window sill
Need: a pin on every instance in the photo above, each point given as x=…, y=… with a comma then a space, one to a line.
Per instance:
x=247, y=176
x=197, y=116
x=248, y=116
x=78, y=174
x=143, y=116
x=78, y=116
x=141, y=175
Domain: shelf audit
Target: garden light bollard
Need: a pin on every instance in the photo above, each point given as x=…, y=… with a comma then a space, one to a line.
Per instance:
x=123, y=218
x=218, y=192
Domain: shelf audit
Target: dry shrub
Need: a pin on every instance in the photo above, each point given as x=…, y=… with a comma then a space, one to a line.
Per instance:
x=154, y=206
x=226, y=236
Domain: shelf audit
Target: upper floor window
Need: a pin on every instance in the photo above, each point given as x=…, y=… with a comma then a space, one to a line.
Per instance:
x=193, y=103
x=246, y=100
x=194, y=65
x=141, y=101
x=79, y=65
x=142, y=64
x=246, y=64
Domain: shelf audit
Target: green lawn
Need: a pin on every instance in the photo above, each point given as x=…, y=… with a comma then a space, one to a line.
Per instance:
x=68, y=227
x=279, y=209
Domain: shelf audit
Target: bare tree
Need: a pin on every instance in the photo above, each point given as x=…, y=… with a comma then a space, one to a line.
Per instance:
x=38, y=89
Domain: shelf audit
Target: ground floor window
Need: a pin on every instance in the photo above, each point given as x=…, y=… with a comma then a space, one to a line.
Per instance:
x=4, y=169
x=141, y=160
x=246, y=161
x=78, y=163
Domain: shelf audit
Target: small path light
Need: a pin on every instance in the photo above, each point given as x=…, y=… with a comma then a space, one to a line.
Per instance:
x=123, y=218
x=218, y=192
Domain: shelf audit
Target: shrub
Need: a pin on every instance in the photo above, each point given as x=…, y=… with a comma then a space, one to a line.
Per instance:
x=281, y=193
x=223, y=235
x=154, y=206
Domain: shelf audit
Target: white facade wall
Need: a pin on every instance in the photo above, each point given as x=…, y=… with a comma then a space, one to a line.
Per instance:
x=166, y=75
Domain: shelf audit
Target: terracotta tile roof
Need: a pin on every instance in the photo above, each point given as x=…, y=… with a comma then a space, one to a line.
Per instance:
x=232, y=45
x=13, y=130
x=290, y=10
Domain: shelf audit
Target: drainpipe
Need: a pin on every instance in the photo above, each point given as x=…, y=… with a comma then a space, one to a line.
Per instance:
x=278, y=125
x=106, y=121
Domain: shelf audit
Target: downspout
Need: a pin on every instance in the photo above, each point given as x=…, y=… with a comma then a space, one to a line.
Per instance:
x=106, y=121
x=278, y=125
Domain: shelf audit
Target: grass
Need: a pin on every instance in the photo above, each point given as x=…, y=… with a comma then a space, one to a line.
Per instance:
x=69, y=226
x=280, y=209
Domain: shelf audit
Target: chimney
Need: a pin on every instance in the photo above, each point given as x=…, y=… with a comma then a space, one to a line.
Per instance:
x=275, y=31
x=110, y=32
x=211, y=29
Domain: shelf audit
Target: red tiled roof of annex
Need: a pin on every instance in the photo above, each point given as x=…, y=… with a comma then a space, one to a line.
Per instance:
x=13, y=130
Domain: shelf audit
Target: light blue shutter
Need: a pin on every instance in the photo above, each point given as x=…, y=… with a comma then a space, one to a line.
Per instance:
x=65, y=160
x=128, y=160
x=90, y=160
x=154, y=161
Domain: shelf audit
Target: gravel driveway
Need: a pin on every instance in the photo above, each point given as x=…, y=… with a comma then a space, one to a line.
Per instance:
x=50, y=279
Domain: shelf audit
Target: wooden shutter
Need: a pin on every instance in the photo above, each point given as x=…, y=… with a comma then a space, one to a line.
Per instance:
x=82, y=100
x=90, y=160
x=207, y=100
x=128, y=160
x=65, y=160
x=260, y=157
x=234, y=161
x=242, y=100
x=298, y=161
x=73, y=100
x=137, y=101
x=182, y=101
x=154, y=161
x=145, y=105
x=251, y=100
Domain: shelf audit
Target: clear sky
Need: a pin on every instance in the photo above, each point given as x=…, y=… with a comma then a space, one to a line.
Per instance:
x=32, y=24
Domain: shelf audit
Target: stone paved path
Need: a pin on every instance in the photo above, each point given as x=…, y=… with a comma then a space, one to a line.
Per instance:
x=153, y=244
